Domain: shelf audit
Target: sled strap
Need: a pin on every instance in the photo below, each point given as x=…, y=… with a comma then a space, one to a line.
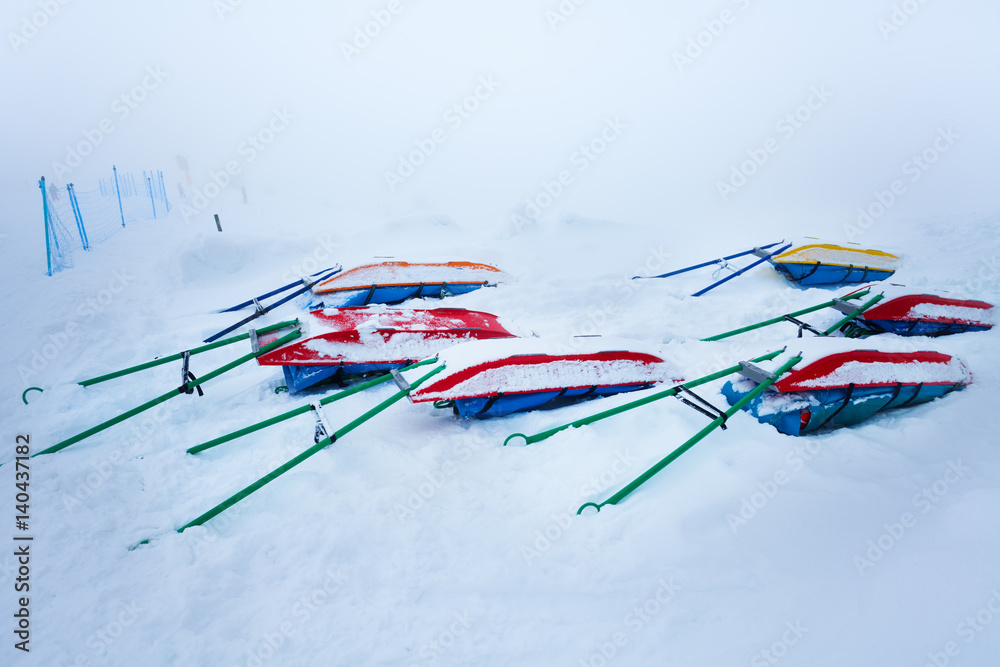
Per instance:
x=803, y=325
x=187, y=376
x=895, y=393
x=850, y=270
x=322, y=430
x=701, y=405
x=914, y=397
x=368, y=297
x=814, y=269
x=864, y=275
x=847, y=399
x=489, y=403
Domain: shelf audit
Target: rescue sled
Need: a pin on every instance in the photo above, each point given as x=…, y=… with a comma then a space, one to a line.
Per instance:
x=499, y=377
x=345, y=342
x=924, y=315
x=395, y=282
x=825, y=264
x=847, y=388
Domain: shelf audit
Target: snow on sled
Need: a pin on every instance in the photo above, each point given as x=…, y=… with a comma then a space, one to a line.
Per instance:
x=824, y=264
x=395, y=282
x=925, y=315
x=846, y=388
x=498, y=377
x=354, y=341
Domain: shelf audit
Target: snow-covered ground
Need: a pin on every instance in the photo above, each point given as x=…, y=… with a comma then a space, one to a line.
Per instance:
x=420, y=540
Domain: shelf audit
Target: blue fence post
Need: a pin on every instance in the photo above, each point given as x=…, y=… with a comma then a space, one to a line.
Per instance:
x=163, y=189
x=118, y=190
x=149, y=187
x=45, y=213
x=71, y=191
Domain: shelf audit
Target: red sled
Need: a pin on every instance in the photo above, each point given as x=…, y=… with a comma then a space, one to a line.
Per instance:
x=925, y=315
x=343, y=342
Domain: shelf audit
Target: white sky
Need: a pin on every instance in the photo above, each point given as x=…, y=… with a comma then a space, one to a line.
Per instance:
x=890, y=95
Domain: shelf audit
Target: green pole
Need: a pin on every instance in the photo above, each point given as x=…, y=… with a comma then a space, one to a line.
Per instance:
x=663, y=463
x=775, y=320
x=868, y=304
x=179, y=355
x=170, y=394
x=322, y=444
x=301, y=410
x=531, y=439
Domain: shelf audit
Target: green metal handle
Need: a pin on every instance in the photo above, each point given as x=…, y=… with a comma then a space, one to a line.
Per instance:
x=179, y=355
x=301, y=410
x=531, y=439
x=848, y=318
x=170, y=394
x=322, y=444
x=663, y=463
x=776, y=320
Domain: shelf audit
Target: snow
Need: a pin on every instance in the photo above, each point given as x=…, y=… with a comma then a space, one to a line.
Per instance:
x=420, y=540
x=949, y=313
x=872, y=374
x=409, y=273
x=810, y=254
x=550, y=372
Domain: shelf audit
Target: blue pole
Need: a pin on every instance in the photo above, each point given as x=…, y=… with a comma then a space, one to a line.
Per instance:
x=149, y=185
x=45, y=213
x=71, y=191
x=163, y=189
x=118, y=190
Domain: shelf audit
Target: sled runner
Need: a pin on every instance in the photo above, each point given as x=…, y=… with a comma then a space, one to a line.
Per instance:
x=847, y=388
x=344, y=342
x=924, y=315
x=499, y=377
x=395, y=282
x=825, y=264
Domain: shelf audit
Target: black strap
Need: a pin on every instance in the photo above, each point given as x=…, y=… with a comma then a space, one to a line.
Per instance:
x=847, y=399
x=803, y=325
x=864, y=275
x=895, y=393
x=489, y=403
x=814, y=269
x=187, y=376
x=914, y=397
x=702, y=405
x=850, y=270
x=371, y=293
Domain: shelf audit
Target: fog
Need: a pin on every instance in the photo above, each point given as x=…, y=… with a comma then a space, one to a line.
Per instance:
x=684, y=93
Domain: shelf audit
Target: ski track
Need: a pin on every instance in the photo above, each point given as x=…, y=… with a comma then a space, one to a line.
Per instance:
x=490, y=565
